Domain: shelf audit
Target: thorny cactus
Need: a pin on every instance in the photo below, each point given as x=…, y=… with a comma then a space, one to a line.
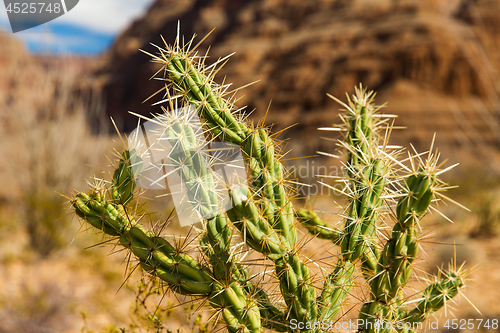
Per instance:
x=262, y=215
x=372, y=183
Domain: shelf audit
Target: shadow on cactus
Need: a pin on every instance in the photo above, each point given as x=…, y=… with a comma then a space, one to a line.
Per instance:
x=252, y=213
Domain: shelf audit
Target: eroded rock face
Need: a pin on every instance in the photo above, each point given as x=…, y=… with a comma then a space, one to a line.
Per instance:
x=439, y=59
x=31, y=84
x=13, y=58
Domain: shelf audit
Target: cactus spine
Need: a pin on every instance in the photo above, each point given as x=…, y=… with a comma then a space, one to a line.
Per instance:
x=386, y=269
x=263, y=214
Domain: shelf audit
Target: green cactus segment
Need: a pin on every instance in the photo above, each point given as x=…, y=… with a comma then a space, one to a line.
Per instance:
x=370, y=262
x=221, y=258
x=367, y=176
x=258, y=148
x=271, y=316
x=264, y=214
x=360, y=125
x=364, y=210
x=435, y=297
x=240, y=312
x=257, y=232
x=411, y=208
x=192, y=167
x=196, y=90
x=180, y=271
x=195, y=173
x=296, y=288
x=337, y=286
x=393, y=271
x=158, y=256
x=101, y=214
x=239, y=309
x=376, y=317
x=317, y=227
x=295, y=283
x=194, y=170
x=123, y=178
x=268, y=185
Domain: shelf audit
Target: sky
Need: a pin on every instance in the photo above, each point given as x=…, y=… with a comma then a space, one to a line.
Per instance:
x=88, y=29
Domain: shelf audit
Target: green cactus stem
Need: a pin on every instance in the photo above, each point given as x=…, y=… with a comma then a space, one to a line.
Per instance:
x=263, y=213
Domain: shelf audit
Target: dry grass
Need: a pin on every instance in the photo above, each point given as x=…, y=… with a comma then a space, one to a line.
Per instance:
x=52, y=281
x=47, y=149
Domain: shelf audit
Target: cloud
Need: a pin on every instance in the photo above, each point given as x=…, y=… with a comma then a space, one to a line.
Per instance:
x=89, y=28
x=66, y=39
x=4, y=20
x=108, y=16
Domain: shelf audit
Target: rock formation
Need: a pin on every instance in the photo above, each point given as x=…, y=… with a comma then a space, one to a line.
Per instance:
x=435, y=62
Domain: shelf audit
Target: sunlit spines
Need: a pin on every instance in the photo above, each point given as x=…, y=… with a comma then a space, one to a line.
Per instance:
x=123, y=178
x=220, y=120
x=439, y=294
x=296, y=288
x=154, y=253
x=336, y=288
x=386, y=269
x=317, y=227
x=393, y=270
x=265, y=211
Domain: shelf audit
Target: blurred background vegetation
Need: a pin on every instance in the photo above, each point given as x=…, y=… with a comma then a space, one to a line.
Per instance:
x=436, y=63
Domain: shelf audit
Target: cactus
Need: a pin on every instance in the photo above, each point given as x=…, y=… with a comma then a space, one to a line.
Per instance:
x=386, y=268
x=262, y=214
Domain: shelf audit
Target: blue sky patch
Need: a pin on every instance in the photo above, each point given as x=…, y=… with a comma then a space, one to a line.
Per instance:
x=87, y=30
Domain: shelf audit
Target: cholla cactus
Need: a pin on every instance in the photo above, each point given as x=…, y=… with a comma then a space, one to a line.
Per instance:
x=262, y=215
x=373, y=183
